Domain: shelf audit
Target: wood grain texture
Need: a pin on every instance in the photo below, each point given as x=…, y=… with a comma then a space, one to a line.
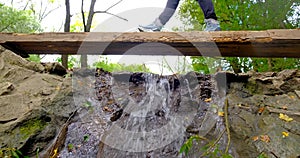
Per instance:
x=268, y=43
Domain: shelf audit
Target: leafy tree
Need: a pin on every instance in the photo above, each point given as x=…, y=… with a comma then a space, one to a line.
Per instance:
x=40, y=8
x=21, y=21
x=245, y=15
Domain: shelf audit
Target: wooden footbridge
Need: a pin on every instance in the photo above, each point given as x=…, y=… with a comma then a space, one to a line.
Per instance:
x=268, y=43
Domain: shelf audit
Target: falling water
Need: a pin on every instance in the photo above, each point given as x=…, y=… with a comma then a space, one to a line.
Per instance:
x=140, y=115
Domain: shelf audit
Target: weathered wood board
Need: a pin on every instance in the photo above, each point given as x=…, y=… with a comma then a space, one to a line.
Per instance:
x=268, y=43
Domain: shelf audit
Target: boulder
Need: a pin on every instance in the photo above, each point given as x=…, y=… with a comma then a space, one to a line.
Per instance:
x=33, y=104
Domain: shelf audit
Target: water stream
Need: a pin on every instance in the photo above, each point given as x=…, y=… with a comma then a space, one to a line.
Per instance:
x=141, y=115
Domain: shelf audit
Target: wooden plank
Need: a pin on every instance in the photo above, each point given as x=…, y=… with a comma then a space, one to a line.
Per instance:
x=268, y=43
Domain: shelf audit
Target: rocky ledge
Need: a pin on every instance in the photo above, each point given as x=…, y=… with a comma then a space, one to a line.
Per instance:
x=35, y=103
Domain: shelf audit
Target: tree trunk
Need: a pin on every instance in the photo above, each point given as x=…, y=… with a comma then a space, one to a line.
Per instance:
x=270, y=67
x=64, y=57
x=87, y=27
x=90, y=16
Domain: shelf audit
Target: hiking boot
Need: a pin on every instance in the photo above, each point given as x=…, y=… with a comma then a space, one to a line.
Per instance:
x=155, y=26
x=212, y=25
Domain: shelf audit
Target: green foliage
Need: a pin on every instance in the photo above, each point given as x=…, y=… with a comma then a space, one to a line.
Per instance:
x=34, y=58
x=209, y=65
x=51, y=1
x=262, y=155
x=11, y=153
x=85, y=138
x=77, y=26
x=72, y=61
x=116, y=67
x=87, y=104
x=240, y=64
x=20, y=21
x=70, y=147
x=206, y=149
x=244, y=15
x=275, y=64
x=186, y=147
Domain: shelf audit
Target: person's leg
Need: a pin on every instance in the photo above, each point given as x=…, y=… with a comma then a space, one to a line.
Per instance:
x=208, y=9
x=210, y=16
x=163, y=18
x=168, y=12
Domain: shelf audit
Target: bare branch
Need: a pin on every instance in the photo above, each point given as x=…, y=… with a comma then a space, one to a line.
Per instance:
x=111, y=14
x=40, y=11
x=26, y=5
x=32, y=8
x=113, y=5
x=83, y=17
x=50, y=11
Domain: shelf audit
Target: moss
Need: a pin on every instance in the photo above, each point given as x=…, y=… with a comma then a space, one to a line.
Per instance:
x=253, y=87
x=31, y=127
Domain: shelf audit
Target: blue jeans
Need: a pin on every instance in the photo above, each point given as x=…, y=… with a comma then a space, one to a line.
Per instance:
x=206, y=6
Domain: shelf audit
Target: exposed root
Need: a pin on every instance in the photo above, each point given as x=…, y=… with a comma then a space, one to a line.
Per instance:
x=227, y=125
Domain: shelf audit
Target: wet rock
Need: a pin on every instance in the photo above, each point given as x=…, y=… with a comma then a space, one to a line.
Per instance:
x=83, y=72
x=137, y=78
x=122, y=77
x=116, y=115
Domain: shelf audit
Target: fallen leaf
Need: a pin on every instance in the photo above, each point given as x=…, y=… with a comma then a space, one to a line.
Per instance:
x=110, y=102
x=265, y=138
x=292, y=97
x=107, y=109
x=208, y=100
x=221, y=113
x=255, y=138
x=285, y=117
x=261, y=110
x=55, y=154
x=284, y=107
x=57, y=88
x=285, y=134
